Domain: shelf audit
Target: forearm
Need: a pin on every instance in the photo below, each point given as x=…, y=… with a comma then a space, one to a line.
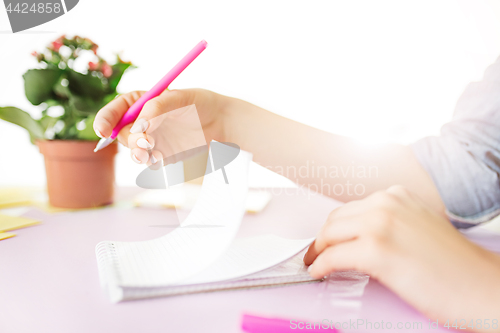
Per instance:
x=334, y=165
x=462, y=288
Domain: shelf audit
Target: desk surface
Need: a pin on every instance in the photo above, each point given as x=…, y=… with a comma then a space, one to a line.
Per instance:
x=49, y=280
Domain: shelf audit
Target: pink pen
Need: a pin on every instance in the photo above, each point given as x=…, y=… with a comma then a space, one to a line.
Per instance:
x=133, y=112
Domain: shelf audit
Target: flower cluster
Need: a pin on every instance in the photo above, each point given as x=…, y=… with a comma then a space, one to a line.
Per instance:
x=54, y=57
x=80, y=93
x=101, y=66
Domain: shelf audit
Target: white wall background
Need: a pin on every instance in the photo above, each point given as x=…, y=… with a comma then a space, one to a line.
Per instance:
x=375, y=70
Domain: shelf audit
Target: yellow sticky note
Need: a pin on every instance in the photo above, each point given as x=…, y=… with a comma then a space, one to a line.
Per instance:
x=53, y=210
x=13, y=222
x=5, y=235
x=21, y=196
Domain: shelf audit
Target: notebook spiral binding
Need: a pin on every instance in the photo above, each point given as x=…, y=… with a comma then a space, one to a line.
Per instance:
x=108, y=265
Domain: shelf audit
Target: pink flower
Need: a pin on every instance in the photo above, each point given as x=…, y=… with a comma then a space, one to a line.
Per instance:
x=93, y=66
x=106, y=70
x=56, y=45
x=34, y=54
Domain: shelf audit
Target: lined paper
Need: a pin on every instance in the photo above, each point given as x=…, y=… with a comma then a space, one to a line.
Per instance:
x=250, y=255
x=204, y=236
x=202, y=254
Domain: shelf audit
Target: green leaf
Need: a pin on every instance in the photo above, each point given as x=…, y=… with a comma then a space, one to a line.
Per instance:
x=51, y=102
x=88, y=133
x=47, y=122
x=62, y=92
x=38, y=84
x=23, y=119
x=118, y=70
x=85, y=85
x=85, y=104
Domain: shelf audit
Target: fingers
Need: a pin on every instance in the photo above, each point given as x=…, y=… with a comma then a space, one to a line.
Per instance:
x=345, y=256
x=362, y=235
x=123, y=135
x=140, y=126
x=155, y=160
x=168, y=100
x=311, y=254
x=333, y=232
x=141, y=145
x=140, y=140
x=107, y=118
x=141, y=156
x=152, y=110
x=133, y=135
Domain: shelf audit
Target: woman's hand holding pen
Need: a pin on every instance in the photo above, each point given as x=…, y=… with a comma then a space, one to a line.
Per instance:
x=150, y=128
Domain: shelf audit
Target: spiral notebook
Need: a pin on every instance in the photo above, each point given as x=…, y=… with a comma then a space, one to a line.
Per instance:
x=203, y=254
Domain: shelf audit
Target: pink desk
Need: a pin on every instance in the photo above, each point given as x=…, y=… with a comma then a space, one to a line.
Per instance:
x=49, y=280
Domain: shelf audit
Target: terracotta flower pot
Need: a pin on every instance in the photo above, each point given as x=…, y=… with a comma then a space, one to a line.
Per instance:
x=76, y=176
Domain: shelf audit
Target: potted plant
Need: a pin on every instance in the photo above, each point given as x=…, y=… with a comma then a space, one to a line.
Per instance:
x=69, y=99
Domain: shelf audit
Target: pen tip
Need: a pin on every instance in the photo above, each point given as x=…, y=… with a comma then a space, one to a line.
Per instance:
x=103, y=143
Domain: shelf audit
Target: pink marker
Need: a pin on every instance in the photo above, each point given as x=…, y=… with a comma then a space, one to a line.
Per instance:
x=256, y=324
x=133, y=112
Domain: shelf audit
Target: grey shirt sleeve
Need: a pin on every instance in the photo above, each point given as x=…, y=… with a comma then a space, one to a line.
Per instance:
x=464, y=161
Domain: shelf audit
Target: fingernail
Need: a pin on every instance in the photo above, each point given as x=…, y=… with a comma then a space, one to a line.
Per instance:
x=309, y=269
x=143, y=143
x=136, y=160
x=153, y=159
x=140, y=126
x=98, y=133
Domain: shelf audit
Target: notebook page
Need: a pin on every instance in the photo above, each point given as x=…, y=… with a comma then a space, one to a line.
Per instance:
x=246, y=256
x=204, y=236
x=292, y=271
